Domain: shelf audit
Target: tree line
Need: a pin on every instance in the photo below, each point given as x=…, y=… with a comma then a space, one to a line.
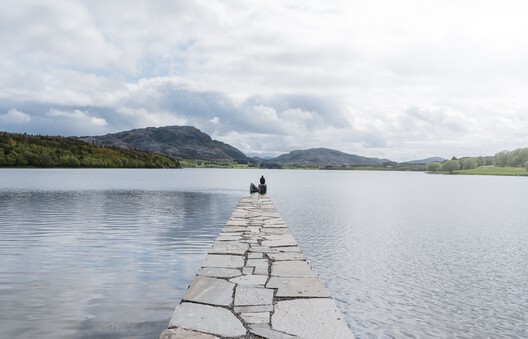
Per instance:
x=516, y=158
x=23, y=150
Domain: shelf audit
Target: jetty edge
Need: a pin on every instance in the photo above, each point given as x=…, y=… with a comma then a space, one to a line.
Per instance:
x=256, y=283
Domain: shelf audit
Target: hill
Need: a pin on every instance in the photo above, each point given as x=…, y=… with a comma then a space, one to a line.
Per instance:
x=177, y=142
x=323, y=157
x=23, y=150
x=426, y=161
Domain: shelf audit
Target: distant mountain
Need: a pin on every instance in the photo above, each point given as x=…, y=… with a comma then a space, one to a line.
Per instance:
x=178, y=142
x=324, y=157
x=426, y=161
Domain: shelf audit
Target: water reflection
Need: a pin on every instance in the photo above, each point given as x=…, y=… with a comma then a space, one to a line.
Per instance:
x=94, y=253
x=101, y=263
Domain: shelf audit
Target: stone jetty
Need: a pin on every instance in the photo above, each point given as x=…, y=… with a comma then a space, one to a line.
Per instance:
x=256, y=283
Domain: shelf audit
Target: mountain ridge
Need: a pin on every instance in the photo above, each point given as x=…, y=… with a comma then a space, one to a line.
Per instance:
x=324, y=156
x=178, y=142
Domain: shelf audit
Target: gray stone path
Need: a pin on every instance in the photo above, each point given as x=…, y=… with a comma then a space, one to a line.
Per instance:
x=256, y=283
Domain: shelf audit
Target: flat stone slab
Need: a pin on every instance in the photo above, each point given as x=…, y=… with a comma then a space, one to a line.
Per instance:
x=285, y=249
x=256, y=318
x=253, y=309
x=265, y=331
x=231, y=229
x=222, y=237
x=209, y=319
x=220, y=272
x=310, y=318
x=270, y=231
x=279, y=242
x=181, y=333
x=298, y=287
x=292, y=269
x=249, y=296
x=227, y=261
x=211, y=291
x=250, y=280
x=281, y=256
x=228, y=247
x=257, y=262
x=261, y=249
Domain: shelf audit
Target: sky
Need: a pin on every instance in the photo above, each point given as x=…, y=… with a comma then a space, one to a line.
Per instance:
x=402, y=80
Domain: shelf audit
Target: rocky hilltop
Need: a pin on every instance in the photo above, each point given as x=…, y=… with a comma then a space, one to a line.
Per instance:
x=178, y=142
x=324, y=156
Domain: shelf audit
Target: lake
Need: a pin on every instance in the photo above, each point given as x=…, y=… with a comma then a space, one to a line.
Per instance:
x=109, y=253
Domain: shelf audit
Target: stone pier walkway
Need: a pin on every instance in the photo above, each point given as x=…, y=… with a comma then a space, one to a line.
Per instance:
x=256, y=283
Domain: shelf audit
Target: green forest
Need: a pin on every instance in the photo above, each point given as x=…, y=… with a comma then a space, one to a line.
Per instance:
x=23, y=150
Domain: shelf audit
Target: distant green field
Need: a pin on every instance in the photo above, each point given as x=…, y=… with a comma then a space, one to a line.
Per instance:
x=494, y=171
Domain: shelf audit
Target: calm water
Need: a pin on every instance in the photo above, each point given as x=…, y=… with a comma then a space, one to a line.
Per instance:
x=109, y=253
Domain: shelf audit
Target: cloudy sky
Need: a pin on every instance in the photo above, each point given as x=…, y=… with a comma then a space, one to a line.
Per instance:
x=397, y=79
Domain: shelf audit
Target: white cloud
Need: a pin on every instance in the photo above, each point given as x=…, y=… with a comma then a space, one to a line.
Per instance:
x=77, y=116
x=15, y=116
x=406, y=79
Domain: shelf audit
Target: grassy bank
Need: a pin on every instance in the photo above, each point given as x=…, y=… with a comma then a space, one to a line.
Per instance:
x=515, y=171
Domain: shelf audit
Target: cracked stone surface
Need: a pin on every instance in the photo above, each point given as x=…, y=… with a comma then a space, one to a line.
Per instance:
x=252, y=266
x=310, y=318
x=181, y=333
x=209, y=290
x=209, y=319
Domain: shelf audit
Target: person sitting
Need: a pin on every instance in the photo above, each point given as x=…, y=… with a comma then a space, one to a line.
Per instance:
x=262, y=187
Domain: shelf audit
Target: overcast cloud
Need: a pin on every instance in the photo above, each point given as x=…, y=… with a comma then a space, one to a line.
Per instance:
x=394, y=79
